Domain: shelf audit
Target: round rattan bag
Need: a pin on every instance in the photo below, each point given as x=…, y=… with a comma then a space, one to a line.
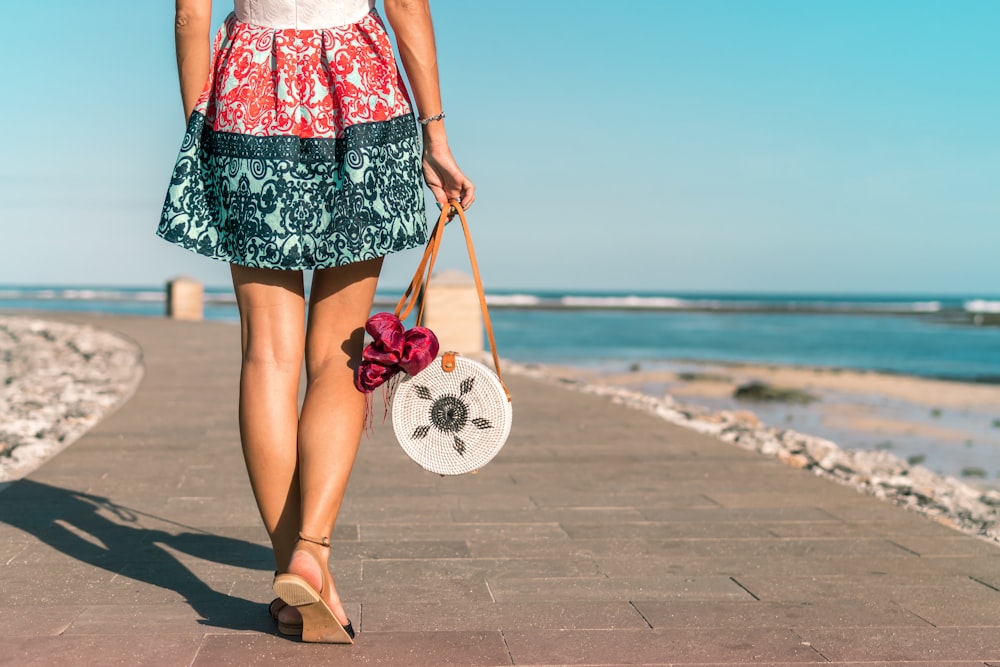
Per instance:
x=452, y=417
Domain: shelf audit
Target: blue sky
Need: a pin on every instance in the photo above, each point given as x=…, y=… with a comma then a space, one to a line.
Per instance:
x=766, y=145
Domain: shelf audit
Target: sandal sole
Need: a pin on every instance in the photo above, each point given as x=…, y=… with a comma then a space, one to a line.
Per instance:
x=319, y=625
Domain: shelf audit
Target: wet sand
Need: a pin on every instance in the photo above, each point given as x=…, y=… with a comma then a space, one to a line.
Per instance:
x=951, y=427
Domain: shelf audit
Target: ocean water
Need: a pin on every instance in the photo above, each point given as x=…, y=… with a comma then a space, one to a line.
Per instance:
x=900, y=344
x=920, y=335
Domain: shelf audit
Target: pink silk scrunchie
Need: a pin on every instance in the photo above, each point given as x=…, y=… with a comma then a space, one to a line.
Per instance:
x=393, y=349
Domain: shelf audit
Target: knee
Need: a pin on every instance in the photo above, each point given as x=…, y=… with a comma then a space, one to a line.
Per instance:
x=272, y=355
x=334, y=354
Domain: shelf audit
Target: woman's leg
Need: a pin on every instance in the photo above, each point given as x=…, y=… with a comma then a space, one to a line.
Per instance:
x=332, y=418
x=272, y=316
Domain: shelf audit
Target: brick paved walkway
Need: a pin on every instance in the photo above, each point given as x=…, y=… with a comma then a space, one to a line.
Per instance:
x=599, y=536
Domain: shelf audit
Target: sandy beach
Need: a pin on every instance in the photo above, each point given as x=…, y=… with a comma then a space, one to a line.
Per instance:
x=951, y=427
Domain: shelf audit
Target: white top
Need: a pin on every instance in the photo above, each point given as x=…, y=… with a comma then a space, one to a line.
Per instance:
x=302, y=14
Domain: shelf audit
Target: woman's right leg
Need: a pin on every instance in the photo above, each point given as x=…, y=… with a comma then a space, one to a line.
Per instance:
x=272, y=317
x=333, y=412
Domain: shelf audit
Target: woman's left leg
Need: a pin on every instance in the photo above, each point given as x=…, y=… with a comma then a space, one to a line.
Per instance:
x=272, y=317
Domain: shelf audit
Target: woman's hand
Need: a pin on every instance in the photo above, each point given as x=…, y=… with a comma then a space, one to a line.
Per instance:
x=444, y=178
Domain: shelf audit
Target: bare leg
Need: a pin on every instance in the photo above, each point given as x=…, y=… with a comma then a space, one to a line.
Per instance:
x=332, y=418
x=272, y=315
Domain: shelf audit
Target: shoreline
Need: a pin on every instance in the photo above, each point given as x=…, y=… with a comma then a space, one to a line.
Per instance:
x=951, y=426
x=958, y=310
x=943, y=498
x=985, y=380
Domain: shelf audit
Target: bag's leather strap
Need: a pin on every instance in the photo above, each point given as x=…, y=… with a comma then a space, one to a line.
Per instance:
x=423, y=275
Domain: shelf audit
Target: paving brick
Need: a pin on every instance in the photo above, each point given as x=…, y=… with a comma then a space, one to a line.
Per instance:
x=627, y=647
x=534, y=515
x=74, y=584
x=534, y=548
x=434, y=571
x=963, y=606
x=852, y=663
x=100, y=651
x=37, y=620
x=416, y=649
x=896, y=644
x=145, y=619
x=885, y=586
x=470, y=531
x=756, y=499
x=794, y=615
x=537, y=615
x=798, y=515
x=379, y=549
x=395, y=590
x=664, y=530
x=654, y=564
x=930, y=546
x=666, y=587
x=674, y=498
x=984, y=569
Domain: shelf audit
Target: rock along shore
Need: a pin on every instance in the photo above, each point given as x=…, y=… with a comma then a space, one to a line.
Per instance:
x=878, y=473
x=58, y=380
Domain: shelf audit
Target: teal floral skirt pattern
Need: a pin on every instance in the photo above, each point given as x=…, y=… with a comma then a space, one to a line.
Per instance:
x=302, y=152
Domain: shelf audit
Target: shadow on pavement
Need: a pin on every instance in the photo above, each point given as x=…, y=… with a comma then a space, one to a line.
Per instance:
x=95, y=530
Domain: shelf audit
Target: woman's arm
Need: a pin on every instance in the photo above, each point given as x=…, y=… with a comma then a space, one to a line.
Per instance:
x=192, y=27
x=411, y=21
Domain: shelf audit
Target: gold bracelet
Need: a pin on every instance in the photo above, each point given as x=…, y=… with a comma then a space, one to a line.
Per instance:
x=429, y=119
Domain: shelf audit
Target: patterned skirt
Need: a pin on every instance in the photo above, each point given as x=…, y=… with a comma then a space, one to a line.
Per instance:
x=302, y=152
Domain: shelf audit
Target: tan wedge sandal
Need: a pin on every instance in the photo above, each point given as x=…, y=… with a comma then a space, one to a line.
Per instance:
x=319, y=624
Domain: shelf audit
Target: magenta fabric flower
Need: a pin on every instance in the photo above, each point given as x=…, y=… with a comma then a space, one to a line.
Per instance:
x=388, y=337
x=420, y=348
x=393, y=349
x=371, y=375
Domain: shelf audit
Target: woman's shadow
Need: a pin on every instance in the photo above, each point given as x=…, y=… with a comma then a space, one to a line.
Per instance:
x=97, y=531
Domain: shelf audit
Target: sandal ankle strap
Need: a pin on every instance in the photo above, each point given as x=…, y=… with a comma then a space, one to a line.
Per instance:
x=322, y=541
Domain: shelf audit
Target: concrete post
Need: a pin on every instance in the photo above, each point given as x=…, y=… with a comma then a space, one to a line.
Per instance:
x=452, y=312
x=185, y=299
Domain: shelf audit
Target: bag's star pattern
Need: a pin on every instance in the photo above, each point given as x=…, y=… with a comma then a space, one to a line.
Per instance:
x=450, y=414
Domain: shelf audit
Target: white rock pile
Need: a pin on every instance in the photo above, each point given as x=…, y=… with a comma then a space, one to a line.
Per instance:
x=878, y=473
x=56, y=381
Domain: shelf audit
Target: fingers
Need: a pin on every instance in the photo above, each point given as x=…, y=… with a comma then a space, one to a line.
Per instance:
x=440, y=196
x=467, y=194
x=463, y=190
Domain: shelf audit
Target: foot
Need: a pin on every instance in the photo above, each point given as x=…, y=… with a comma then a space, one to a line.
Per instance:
x=310, y=561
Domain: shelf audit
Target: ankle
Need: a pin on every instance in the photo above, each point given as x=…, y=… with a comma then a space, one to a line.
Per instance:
x=323, y=541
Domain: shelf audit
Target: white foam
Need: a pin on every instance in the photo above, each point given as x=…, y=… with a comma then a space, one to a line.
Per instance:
x=982, y=306
x=623, y=302
x=926, y=306
x=513, y=300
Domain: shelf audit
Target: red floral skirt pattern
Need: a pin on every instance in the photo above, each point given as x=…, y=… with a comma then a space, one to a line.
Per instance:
x=301, y=153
